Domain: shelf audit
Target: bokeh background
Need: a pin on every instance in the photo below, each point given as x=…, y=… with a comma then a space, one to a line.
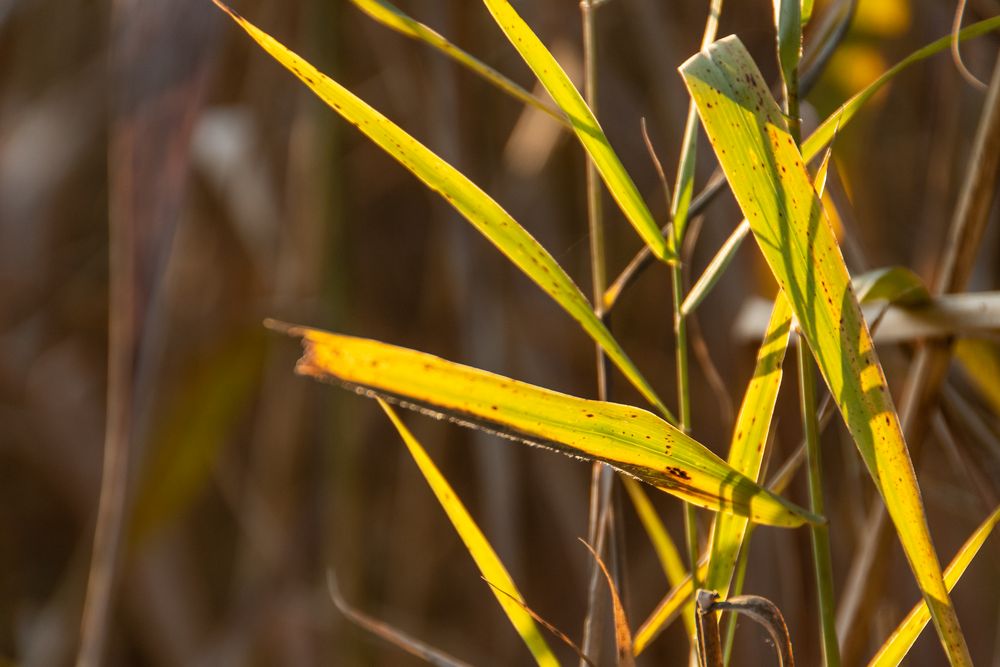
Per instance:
x=241, y=197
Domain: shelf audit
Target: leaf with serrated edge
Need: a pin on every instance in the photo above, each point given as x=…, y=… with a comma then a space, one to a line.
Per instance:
x=769, y=180
x=746, y=452
x=585, y=125
x=903, y=638
x=629, y=439
x=476, y=206
x=487, y=560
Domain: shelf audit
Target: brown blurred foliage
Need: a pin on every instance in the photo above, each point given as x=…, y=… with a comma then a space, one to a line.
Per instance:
x=245, y=198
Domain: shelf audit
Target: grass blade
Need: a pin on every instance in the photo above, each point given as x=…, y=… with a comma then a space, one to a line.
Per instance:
x=394, y=636
x=895, y=284
x=710, y=276
x=769, y=179
x=485, y=214
x=746, y=453
x=666, y=611
x=900, y=642
x=828, y=128
x=629, y=439
x=392, y=17
x=478, y=546
x=585, y=125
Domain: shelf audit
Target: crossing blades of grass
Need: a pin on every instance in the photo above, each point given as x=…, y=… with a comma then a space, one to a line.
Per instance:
x=666, y=611
x=629, y=439
x=896, y=648
x=391, y=17
x=746, y=453
x=769, y=180
x=588, y=130
x=476, y=206
x=478, y=546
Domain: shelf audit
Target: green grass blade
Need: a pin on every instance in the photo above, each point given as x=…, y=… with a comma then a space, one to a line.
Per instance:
x=746, y=452
x=900, y=642
x=769, y=180
x=710, y=276
x=392, y=17
x=629, y=439
x=663, y=544
x=478, y=546
x=895, y=284
x=828, y=128
x=585, y=125
x=485, y=214
x=668, y=609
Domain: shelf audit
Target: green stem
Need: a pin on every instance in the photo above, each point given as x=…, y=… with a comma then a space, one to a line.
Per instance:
x=820, y=533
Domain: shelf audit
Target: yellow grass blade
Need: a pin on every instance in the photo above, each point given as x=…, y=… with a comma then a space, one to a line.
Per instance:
x=629, y=439
x=391, y=17
x=666, y=611
x=478, y=546
x=900, y=642
x=476, y=206
x=746, y=452
x=770, y=181
x=588, y=130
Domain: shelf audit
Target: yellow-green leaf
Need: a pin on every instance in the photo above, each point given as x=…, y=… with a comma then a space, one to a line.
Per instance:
x=980, y=359
x=903, y=638
x=746, y=452
x=678, y=597
x=476, y=206
x=629, y=439
x=828, y=128
x=769, y=180
x=895, y=284
x=585, y=125
x=390, y=16
x=478, y=546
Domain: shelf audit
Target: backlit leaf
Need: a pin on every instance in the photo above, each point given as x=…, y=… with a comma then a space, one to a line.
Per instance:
x=588, y=130
x=476, y=206
x=629, y=439
x=769, y=180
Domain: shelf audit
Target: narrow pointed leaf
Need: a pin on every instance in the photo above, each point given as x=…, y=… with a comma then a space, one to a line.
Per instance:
x=485, y=214
x=902, y=640
x=746, y=452
x=585, y=125
x=392, y=17
x=828, y=128
x=629, y=439
x=478, y=546
x=667, y=610
x=769, y=180
x=895, y=284
x=710, y=276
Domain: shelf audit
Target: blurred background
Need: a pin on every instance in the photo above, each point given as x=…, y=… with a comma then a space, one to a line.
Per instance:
x=235, y=195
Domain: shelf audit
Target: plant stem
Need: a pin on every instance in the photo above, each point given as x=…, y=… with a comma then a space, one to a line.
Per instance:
x=601, y=475
x=820, y=533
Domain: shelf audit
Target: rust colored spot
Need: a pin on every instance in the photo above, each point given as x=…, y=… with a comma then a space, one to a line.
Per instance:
x=677, y=472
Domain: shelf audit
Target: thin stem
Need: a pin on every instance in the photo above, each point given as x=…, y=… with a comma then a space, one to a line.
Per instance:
x=820, y=533
x=684, y=410
x=601, y=475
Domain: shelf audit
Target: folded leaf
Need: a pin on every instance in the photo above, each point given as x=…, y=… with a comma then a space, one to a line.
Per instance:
x=629, y=439
x=476, y=206
x=581, y=118
x=769, y=180
x=487, y=560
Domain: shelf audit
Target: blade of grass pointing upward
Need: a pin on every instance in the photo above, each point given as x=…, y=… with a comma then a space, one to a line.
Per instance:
x=478, y=546
x=588, y=130
x=485, y=214
x=769, y=180
x=632, y=440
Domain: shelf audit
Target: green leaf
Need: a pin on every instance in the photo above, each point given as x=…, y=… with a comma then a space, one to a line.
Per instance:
x=746, y=452
x=668, y=609
x=769, y=180
x=828, y=128
x=478, y=546
x=585, y=125
x=788, y=22
x=468, y=199
x=903, y=638
x=391, y=17
x=895, y=284
x=629, y=439
x=710, y=276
